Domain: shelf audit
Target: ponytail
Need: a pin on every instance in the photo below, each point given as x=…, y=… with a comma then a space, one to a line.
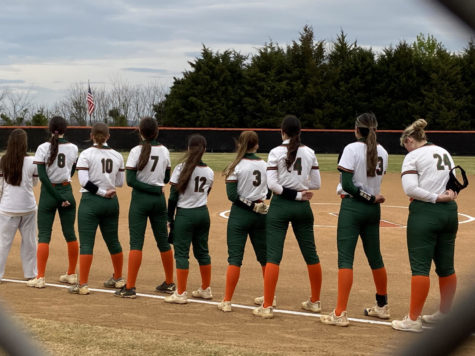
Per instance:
x=148, y=128
x=366, y=125
x=196, y=149
x=291, y=126
x=247, y=141
x=57, y=126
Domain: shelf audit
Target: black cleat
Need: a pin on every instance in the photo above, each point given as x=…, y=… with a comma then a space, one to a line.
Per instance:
x=166, y=288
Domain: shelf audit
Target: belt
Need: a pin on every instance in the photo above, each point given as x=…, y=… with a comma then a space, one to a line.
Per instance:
x=345, y=196
x=258, y=201
x=63, y=183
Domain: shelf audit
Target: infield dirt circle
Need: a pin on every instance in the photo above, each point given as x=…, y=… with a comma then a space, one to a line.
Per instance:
x=286, y=333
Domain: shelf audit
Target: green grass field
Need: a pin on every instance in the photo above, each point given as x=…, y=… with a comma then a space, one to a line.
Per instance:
x=327, y=162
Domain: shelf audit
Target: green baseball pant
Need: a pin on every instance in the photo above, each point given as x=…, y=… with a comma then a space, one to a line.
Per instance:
x=357, y=218
x=191, y=228
x=95, y=211
x=243, y=222
x=299, y=214
x=145, y=206
x=47, y=210
x=431, y=232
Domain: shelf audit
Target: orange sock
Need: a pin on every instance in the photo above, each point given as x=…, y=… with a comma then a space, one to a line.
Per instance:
x=263, y=271
x=85, y=262
x=232, y=277
x=380, y=278
x=345, y=281
x=181, y=279
x=447, y=286
x=205, y=272
x=73, y=252
x=270, y=283
x=117, y=262
x=167, y=262
x=315, y=276
x=419, y=290
x=135, y=260
x=42, y=254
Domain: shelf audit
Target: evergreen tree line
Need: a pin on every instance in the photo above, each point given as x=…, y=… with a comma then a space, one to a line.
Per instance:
x=326, y=85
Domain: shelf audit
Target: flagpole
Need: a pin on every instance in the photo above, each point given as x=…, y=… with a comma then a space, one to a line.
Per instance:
x=90, y=114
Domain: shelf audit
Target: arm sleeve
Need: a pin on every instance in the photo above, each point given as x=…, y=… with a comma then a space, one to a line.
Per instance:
x=410, y=184
x=133, y=182
x=47, y=183
x=172, y=202
x=349, y=187
x=314, y=178
x=166, y=179
x=73, y=169
x=231, y=191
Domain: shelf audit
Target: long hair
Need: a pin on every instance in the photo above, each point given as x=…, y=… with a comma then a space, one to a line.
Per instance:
x=247, y=140
x=366, y=124
x=415, y=130
x=148, y=128
x=100, y=131
x=57, y=126
x=291, y=126
x=11, y=163
x=196, y=148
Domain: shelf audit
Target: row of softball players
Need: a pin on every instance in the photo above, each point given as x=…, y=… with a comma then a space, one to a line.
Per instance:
x=100, y=170
x=292, y=171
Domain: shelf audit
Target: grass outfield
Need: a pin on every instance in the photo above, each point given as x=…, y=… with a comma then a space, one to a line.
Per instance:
x=327, y=162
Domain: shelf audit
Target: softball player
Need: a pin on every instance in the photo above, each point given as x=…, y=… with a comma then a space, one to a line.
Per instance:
x=148, y=170
x=431, y=226
x=191, y=183
x=56, y=161
x=246, y=187
x=18, y=175
x=100, y=171
x=292, y=170
x=362, y=166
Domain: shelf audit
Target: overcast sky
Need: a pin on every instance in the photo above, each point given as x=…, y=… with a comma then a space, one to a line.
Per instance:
x=46, y=46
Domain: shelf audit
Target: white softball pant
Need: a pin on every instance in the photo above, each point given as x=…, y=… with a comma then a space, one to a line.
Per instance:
x=8, y=228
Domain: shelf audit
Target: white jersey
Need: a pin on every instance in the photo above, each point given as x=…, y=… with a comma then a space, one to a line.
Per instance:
x=304, y=173
x=425, y=172
x=250, y=175
x=105, y=167
x=353, y=160
x=19, y=199
x=196, y=193
x=60, y=169
x=154, y=171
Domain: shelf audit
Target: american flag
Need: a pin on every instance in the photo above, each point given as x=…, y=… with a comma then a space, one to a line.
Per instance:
x=90, y=101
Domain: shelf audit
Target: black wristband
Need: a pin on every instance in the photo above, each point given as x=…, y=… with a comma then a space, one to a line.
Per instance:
x=91, y=187
x=289, y=194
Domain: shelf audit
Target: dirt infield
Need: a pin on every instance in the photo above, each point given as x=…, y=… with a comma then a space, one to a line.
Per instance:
x=286, y=333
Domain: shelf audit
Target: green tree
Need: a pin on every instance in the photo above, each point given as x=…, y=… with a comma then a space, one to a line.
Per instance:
x=118, y=119
x=39, y=118
x=211, y=94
